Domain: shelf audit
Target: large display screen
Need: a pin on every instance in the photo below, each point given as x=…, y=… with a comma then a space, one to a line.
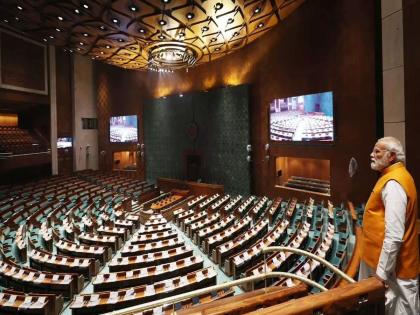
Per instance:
x=123, y=128
x=64, y=142
x=303, y=118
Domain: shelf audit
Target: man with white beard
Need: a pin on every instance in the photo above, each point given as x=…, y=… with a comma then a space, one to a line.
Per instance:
x=390, y=249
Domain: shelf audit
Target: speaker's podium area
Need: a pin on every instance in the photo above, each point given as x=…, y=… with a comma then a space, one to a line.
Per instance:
x=196, y=157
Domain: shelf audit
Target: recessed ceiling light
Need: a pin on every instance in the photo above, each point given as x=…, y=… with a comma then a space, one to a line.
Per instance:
x=81, y=43
x=261, y=25
x=162, y=22
x=44, y=39
x=78, y=48
x=85, y=34
x=257, y=10
x=107, y=46
x=218, y=6
x=217, y=49
x=16, y=18
x=52, y=37
x=213, y=39
x=133, y=8
x=190, y=15
x=85, y=5
x=161, y=37
x=181, y=34
x=58, y=30
x=133, y=48
x=77, y=11
x=120, y=40
x=71, y=50
x=230, y=21
x=19, y=7
x=235, y=34
x=142, y=30
x=181, y=95
x=102, y=27
x=166, y=1
x=6, y=21
x=102, y=52
x=205, y=28
x=115, y=21
x=60, y=18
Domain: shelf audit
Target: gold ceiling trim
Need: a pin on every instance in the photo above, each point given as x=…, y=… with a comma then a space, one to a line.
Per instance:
x=138, y=34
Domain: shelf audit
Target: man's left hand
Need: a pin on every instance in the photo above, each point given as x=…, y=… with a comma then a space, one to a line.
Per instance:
x=384, y=282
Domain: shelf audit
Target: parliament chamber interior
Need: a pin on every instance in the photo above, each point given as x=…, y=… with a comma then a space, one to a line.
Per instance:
x=197, y=156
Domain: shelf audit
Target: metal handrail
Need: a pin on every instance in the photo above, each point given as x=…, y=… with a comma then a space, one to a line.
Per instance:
x=184, y=296
x=308, y=254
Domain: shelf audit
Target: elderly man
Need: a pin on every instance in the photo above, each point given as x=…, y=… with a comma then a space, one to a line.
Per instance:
x=390, y=249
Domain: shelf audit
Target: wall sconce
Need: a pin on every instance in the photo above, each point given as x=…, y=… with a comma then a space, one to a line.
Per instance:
x=248, y=150
x=267, y=152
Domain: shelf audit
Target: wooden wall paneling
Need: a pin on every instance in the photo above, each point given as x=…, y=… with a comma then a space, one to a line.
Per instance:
x=23, y=64
x=411, y=23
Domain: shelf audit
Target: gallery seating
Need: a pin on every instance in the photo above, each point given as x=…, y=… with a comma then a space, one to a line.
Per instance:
x=149, y=259
x=135, y=277
x=107, y=301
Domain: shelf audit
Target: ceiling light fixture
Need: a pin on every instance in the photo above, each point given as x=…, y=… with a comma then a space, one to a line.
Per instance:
x=60, y=18
x=218, y=6
x=142, y=30
x=6, y=21
x=107, y=46
x=162, y=22
x=19, y=7
x=204, y=29
x=85, y=34
x=133, y=8
x=115, y=21
x=85, y=5
x=52, y=37
x=120, y=40
x=260, y=25
x=172, y=55
x=103, y=28
x=77, y=11
x=58, y=30
x=190, y=15
x=257, y=10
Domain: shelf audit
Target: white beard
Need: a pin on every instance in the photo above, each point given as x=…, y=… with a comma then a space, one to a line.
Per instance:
x=378, y=165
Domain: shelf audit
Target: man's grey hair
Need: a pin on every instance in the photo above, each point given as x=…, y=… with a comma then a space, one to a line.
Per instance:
x=394, y=145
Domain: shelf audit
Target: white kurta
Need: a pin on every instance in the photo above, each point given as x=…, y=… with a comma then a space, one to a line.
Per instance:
x=402, y=296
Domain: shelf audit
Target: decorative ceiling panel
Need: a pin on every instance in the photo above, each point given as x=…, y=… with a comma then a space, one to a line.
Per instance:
x=147, y=34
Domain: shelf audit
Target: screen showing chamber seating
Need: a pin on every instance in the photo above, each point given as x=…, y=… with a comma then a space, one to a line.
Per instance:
x=64, y=142
x=123, y=128
x=302, y=118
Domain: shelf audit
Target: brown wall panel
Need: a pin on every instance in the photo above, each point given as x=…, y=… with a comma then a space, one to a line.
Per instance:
x=23, y=63
x=118, y=93
x=411, y=20
x=323, y=46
